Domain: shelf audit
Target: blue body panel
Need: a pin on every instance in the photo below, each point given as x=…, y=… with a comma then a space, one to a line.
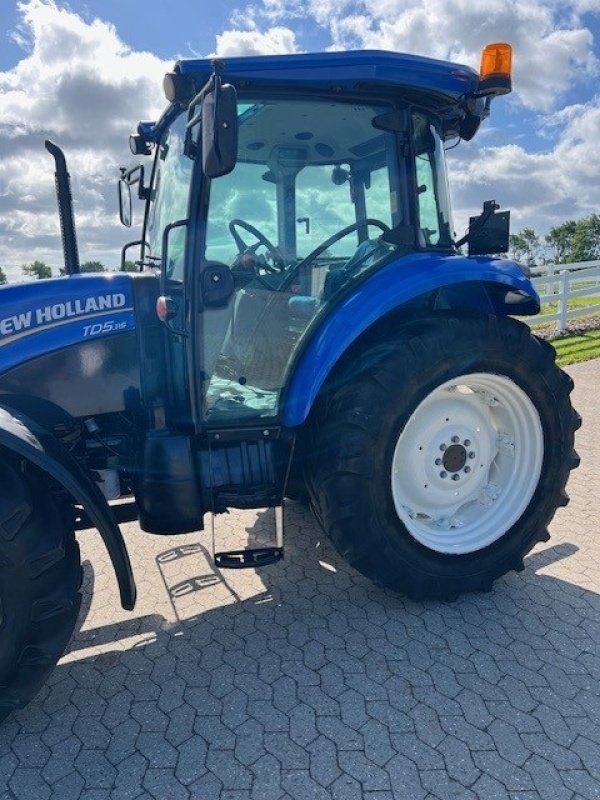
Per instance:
x=343, y=69
x=386, y=290
x=43, y=316
x=342, y=72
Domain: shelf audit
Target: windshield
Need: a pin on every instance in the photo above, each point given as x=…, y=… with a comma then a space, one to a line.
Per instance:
x=169, y=197
x=306, y=170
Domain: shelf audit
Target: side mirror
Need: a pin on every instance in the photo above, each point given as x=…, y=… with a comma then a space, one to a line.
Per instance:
x=219, y=131
x=125, y=214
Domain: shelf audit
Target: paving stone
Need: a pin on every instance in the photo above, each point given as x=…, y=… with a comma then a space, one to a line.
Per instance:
x=267, y=778
x=546, y=779
x=60, y=763
x=95, y=769
x=69, y=787
x=514, y=778
x=508, y=742
x=404, y=778
x=370, y=776
x=441, y=785
x=344, y=737
x=302, y=683
x=191, y=760
x=303, y=728
x=324, y=768
x=290, y=755
x=225, y=766
x=299, y=785
x=459, y=763
x=424, y=756
x=27, y=783
x=130, y=777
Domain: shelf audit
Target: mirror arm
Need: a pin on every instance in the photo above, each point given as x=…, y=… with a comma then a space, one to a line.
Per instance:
x=126, y=247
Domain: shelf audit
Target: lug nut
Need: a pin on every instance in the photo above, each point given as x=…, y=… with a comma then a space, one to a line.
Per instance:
x=467, y=469
x=467, y=442
x=455, y=440
x=443, y=447
x=443, y=474
x=456, y=476
x=438, y=462
x=471, y=454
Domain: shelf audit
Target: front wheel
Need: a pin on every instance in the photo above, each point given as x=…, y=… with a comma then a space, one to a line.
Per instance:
x=440, y=457
x=40, y=581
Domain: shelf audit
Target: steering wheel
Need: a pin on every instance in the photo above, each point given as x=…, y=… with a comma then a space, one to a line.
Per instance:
x=332, y=240
x=278, y=264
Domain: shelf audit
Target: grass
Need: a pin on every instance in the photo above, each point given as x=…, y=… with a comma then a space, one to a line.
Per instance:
x=575, y=302
x=577, y=347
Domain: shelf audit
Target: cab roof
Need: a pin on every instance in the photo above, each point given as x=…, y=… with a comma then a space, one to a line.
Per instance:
x=439, y=85
x=349, y=70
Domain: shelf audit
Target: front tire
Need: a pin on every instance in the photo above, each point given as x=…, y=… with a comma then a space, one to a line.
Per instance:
x=439, y=457
x=40, y=581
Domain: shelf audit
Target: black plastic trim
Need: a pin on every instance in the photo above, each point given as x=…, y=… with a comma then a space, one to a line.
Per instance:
x=30, y=441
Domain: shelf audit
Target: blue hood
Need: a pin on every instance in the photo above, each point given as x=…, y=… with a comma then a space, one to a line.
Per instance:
x=42, y=316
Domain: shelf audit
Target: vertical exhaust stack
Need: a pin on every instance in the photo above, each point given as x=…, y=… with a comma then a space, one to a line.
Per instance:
x=65, y=209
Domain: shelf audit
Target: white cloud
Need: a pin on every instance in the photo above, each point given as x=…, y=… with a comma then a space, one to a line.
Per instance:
x=553, y=47
x=253, y=42
x=81, y=86
x=541, y=189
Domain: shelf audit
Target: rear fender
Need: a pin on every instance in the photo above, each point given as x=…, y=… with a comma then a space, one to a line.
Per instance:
x=28, y=440
x=488, y=285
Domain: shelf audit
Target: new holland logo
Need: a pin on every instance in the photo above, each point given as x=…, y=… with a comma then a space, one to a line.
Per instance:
x=47, y=315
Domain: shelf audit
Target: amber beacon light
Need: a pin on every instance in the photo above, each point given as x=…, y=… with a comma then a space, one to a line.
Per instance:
x=495, y=70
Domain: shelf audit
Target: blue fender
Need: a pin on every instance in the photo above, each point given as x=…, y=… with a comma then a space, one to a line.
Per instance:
x=30, y=441
x=387, y=289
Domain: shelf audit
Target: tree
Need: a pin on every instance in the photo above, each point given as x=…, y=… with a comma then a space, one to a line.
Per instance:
x=586, y=241
x=92, y=266
x=2, y=276
x=576, y=240
x=526, y=247
x=87, y=266
x=130, y=266
x=37, y=270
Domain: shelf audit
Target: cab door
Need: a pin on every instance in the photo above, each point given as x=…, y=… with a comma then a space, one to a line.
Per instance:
x=301, y=217
x=166, y=234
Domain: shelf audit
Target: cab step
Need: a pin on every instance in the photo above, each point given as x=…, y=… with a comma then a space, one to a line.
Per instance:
x=249, y=558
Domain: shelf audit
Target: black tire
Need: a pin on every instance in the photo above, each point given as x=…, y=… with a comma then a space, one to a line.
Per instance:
x=40, y=581
x=357, y=423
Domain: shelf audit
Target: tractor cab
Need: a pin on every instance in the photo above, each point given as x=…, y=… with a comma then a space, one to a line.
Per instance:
x=311, y=174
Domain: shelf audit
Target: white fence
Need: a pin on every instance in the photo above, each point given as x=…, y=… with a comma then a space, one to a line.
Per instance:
x=559, y=283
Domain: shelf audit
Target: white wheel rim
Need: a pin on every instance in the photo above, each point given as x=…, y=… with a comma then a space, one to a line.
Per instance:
x=467, y=463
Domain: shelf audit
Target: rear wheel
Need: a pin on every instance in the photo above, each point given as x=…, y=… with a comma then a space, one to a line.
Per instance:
x=40, y=580
x=438, y=462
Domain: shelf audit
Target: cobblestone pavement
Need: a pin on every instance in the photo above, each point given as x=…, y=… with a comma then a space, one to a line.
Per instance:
x=306, y=682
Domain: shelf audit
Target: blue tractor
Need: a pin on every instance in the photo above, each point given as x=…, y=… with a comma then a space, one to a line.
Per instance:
x=302, y=324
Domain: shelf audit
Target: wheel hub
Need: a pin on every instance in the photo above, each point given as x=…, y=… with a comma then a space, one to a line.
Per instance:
x=471, y=441
x=454, y=458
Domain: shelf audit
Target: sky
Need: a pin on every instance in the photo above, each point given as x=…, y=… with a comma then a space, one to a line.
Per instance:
x=84, y=73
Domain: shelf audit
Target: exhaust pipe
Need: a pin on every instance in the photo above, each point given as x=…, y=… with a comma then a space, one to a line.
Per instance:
x=65, y=209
